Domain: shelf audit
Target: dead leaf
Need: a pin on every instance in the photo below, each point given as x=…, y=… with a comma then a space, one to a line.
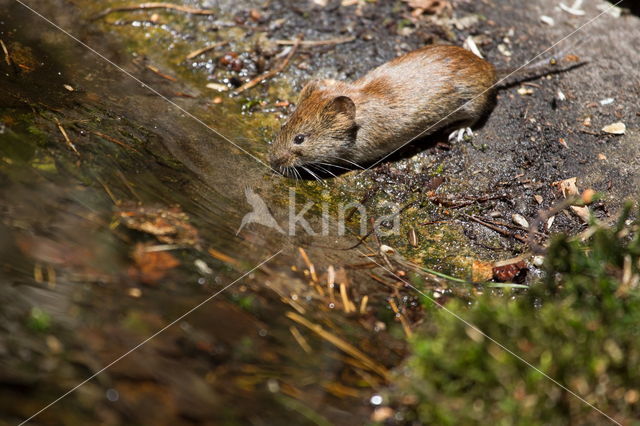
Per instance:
x=481, y=271
x=567, y=186
x=431, y=7
x=582, y=212
x=151, y=266
x=513, y=272
x=169, y=225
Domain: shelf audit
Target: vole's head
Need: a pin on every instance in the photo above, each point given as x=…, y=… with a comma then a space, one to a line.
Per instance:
x=322, y=129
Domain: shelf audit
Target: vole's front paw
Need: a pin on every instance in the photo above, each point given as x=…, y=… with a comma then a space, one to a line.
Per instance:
x=461, y=134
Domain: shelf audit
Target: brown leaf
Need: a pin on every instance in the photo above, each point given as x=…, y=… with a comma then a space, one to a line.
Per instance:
x=567, y=186
x=151, y=266
x=481, y=271
x=513, y=272
x=432, y=7
x=169, y=225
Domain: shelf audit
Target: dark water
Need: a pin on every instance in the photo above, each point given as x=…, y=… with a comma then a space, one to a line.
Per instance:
x=80, y=286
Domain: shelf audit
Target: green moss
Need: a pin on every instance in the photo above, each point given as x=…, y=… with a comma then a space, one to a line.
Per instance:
x=39, y=320
x=579, y=326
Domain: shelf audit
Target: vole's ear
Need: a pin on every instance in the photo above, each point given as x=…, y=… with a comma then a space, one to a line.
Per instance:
x=308, y=89
x=314, y=85
x=342, y=105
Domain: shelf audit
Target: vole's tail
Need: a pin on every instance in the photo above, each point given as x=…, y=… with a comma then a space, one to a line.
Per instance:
x=512, y=77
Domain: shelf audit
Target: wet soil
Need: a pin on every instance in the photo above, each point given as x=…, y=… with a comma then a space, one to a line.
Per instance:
x=111, y=235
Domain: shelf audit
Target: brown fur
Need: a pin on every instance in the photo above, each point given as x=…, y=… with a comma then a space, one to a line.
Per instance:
x=360, y=122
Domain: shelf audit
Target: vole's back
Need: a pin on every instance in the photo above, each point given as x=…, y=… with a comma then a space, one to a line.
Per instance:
x=423, y=91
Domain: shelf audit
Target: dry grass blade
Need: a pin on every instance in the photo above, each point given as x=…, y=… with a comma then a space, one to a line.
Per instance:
x=341, y=344
x=347, y=305
x=66, y=137
x=224, y=257
x=155, y=5
x=7, y=57
x=363, y=305
x=272, y=72
x=300, y=339
x=312, y=43
x=199, y=52
x=401, y=317
x=310, y=266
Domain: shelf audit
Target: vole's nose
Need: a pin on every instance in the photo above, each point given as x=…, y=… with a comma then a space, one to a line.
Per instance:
x=279, y=162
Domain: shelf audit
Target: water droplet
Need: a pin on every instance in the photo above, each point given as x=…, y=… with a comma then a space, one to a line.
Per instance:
x=273, y=385
x=376, y=400
x=112, y=395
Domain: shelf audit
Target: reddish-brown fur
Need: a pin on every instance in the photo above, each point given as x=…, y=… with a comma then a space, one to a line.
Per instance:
x=417, y=94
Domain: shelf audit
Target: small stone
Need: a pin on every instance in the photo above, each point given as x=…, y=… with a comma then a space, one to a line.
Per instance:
x=550, y=222
x=385, y=249
x=547, y=20
x=134, y=292
x=519, y=220
x=615, y=128
x=525, y=91
x=217, y=86
x=381, y=414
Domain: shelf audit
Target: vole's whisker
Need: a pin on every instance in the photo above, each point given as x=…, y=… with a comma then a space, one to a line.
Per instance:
x=348, y=161
x=292, y=172
x=323, y=169
x=333, y=165
x=314, y=175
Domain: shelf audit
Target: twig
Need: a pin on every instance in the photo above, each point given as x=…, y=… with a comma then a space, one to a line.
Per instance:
x=160, y=73
x=155, y=5
x=66, y=137
x=128, y=185
x=316, y=42
x=497, y=229
x=114, y=140
x=199, y=52
x=542, y=217
x=108, y=191
x=455, y=204
x=7, y=57
x=270, y=73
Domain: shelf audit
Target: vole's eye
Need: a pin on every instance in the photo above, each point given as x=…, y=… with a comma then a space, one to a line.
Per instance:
x=298, y=139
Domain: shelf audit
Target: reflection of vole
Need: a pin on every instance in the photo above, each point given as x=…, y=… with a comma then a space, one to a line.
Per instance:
x=353, y=124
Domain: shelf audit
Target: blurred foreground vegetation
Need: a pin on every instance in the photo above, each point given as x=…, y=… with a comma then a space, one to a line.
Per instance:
x=580, y=326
